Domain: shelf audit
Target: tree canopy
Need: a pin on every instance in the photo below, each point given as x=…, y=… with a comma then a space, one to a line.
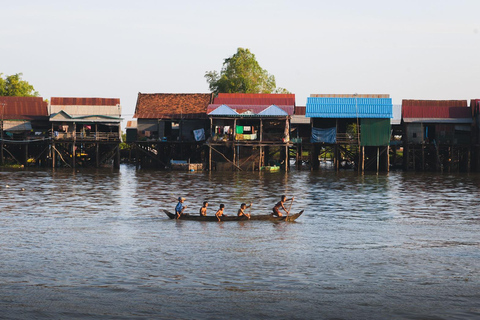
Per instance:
x=13, y=85
x=241, y=73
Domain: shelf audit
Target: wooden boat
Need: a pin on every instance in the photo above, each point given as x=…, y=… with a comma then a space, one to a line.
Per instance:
x=264, y=217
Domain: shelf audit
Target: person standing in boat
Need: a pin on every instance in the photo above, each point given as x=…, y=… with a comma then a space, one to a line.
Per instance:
x=203, y=210
x=180, y=207
x=276, y=208
x=241, y=211
x=220, y=213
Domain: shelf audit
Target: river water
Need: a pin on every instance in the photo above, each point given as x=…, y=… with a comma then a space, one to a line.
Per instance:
x=95, y=244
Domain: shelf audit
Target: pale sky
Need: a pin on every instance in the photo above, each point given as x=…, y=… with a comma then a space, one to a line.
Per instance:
x=410, y=49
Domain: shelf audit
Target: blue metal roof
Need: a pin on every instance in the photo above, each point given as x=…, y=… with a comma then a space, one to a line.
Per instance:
x=368, y=108
x=273, y=110
x=223, y=110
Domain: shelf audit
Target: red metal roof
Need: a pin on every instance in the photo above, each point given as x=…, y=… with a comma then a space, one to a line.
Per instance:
x=475, y=106
x=436, y=109
x=23, y=108
x=264, y=99
x=84, y=101
x=172, y=105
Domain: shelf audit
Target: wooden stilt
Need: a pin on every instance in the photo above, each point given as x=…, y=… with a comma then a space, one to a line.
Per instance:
x=363, y=160
x=286, y=158
x=378, y=159
x=388, y=158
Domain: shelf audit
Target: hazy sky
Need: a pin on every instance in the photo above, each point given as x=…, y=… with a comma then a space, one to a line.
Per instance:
x=421, y=49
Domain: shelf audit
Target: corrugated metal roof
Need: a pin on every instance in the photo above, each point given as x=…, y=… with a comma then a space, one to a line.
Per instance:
x=263, y=99
x=328, y=95
x=299, y=119
x=273, y=110
x=256, y=109
x=23, y=108
x=223, y=110
x=300, y=111
x=397, y=114
x=367, y=108
x=85, y=110
x=64, y=116
x=20, y=125
x=435, y=110
x=84, y=101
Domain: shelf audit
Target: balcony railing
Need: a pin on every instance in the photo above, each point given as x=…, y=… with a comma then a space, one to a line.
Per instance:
x=92, y=136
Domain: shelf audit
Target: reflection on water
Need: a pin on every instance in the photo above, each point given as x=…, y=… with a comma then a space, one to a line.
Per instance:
x=94, y=244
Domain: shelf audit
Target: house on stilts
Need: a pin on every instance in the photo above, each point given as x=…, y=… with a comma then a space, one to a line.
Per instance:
x=437, y=135
x=250, y=131
x=351, y=130
x=85, y=131
x=171, y=129
x=24, y=131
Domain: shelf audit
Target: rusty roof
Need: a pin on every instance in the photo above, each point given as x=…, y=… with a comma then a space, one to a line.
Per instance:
x=435, y=109
x=72, y=101
x=172, y=105
x=300, y=110
x=262, y=99
x=23, y=108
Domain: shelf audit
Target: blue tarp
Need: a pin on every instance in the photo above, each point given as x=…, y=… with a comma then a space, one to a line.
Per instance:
x=328, y=135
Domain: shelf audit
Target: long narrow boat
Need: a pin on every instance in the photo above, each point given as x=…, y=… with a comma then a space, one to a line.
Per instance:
x=264, y=217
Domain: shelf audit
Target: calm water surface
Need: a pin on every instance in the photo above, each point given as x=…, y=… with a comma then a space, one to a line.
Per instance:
x=94, y=244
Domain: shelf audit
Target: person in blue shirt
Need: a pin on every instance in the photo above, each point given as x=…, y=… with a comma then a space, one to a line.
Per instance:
x=180, y=207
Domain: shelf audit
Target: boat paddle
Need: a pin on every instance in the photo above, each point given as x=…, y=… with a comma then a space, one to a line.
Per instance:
x=289, y=208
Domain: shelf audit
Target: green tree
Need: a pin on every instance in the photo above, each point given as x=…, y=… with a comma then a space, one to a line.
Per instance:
x=241, y=73
x=13, y=85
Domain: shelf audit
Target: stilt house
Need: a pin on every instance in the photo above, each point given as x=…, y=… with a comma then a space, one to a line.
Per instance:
x=437, y=135
x=86, y=131
x=171, y=127
x=355, y=129
x=250, y=131
x=300, y=133
x=24, y=130
x=475, y=107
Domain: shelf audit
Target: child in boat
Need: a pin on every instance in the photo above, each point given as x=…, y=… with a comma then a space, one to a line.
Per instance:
x=241, y=211
x=276, y=208
x=203, y=210
x=180, y=207
x=220, y=213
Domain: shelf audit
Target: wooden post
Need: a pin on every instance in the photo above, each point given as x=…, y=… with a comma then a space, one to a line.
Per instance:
x=286, y=158
x=261, y=130
x=97, y=156
x=468, y=159
x=298, y=157
x=388, y=158
x=53, y=154
x=363, y=160
x=423, y=156
x=137, y=155
x=259, y=157
x=378, y=159
x=26, y=155
x=73, y=145
x=116, y=160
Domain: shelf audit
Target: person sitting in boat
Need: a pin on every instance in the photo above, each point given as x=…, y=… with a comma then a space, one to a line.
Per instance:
x=276, y=208
x=241, y=211
x=220, y=213
x=180, y=207
x=203, y=210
